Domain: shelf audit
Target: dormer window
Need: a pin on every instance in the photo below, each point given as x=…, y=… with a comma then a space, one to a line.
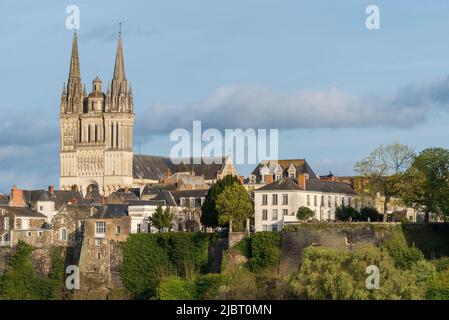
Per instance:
x=252, y=178
x=182, y=201
x=278, y=176
x=292, y=174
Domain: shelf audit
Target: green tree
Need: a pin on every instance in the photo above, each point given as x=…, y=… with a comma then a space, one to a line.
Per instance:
x=371, y=213
x=234, y=204
x=336, y=273
x=346, y=213
x=427, y=186
x=209, y=214
x=384, y=169
x=162, y=219
x=304, y=213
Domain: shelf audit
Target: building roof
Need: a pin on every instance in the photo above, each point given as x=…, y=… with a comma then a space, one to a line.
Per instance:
x=155, y=188
x=111, y=211
x=172, y=198
x=301, y=167
x=155, y=167
x=287, y=184
x=59, y=197
x=23, y=212
x=146, y=203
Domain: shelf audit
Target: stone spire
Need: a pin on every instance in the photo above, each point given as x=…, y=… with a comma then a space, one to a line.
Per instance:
x=119, y=99
x=74, y=95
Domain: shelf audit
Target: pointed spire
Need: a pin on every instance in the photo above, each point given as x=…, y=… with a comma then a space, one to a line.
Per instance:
x=119, y=69
x=64, y=90
x=74, y=61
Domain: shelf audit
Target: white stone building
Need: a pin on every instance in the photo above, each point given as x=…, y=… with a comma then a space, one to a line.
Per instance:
x=276, y=204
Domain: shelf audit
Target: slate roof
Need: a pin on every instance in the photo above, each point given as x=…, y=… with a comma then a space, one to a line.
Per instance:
x=154, y=167
x=173, y=198
x=146, y=203
x=155, y=188
x=286, y=184
x=301, y=166
x=111, y=211
x=23, y=212
x=59, y=197
x=4, y=199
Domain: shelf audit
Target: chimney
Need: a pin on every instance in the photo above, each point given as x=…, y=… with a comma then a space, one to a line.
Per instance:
x=17, y=199
x=51, y=190
x=268, y=178
x=241, y=178
x=302, y=180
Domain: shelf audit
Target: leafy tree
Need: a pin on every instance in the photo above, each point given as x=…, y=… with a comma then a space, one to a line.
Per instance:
x=336, y=273
x=371, y=213
x=304, y=213
x=427, y=186
x=234, y=204
x=346, y=213
x=209, y=214
x=384, y=169
x=162, y=219
x=265, y=250
x=208, y=286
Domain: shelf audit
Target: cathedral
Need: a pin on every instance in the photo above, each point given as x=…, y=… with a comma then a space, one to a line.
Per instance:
x=96, y=145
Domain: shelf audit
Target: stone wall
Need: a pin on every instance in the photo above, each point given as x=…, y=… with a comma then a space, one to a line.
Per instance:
x=345, y=235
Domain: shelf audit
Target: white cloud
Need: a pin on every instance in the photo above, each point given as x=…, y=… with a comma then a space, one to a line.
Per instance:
x=237, y=106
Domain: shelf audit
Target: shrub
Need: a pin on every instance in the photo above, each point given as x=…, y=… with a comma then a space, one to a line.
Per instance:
x=333, y=273
x=208, y=286
x=441, y=264
x=144, y=263
x=424, y=271
x=343, y=213
x=371, y=213
x=404, y=256
x=439, y=287
x=304, y=213
x=265, y=250
x=175, y=288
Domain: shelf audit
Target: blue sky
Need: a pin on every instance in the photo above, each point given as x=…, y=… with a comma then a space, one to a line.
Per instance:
x=334, y=89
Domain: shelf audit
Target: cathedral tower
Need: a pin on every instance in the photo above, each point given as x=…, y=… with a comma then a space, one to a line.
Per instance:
x=96, y=148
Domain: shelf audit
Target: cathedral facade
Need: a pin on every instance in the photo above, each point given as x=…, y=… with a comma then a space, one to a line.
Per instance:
x=96, y=146
x=96, y=142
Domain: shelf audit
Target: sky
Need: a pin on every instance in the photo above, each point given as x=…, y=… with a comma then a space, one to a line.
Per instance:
x=311, y=69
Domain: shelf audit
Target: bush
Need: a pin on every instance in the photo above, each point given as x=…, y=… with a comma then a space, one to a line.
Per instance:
x=304, y=213
x=371, y=213
x=208, y=286
x=344, y=213
x=265, y=250
x=439, y=287
x=404, y=256
x=424, y=271
x=441, y=264
x=149, y=257
x=333, y=273
x=175, y=288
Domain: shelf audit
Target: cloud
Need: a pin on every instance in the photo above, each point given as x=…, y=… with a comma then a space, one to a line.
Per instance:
x=237, y=106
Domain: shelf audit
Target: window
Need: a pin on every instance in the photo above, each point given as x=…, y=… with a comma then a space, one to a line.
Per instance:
x=275, y=199
x=182, y=201
x=349, y=201
x=329, y=201
x=285, y=212
x=274, y=215
x=342, y=201
x=277, y=177
x=264, y=199
x=315, y=201
x=139, y=228
x=117, y=230
x=100, y=228
x=264, y=214
x=322, y=201
x=98, y=255
x=202, y=200
x=192, y=202
x=274, y=227
x=291, y=174
x=63, y=234
x=356, y=203
x=6, y=223
x=39, y=234
x=62, y=221
x=264, y=227
x=41, y=208
x=308, y=200
x=336, y=201
x=98, y=241
x=285, y=199
x=25, y=224
x=81, y=225
x=29, y=235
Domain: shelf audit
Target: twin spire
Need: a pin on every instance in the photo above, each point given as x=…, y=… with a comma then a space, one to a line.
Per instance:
x=75, y=93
